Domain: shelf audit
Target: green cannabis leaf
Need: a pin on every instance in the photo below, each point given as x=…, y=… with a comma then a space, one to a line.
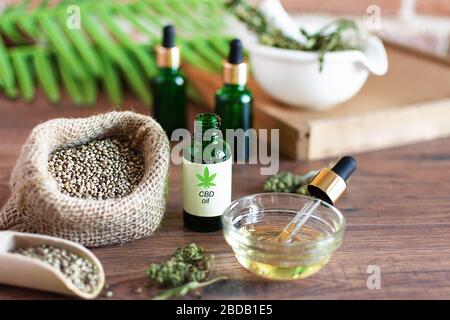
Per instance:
x=39, y=48
x=206, y=180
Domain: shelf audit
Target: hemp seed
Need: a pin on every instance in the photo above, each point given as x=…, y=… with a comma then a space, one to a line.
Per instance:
x=100, y=169
x=80, y=271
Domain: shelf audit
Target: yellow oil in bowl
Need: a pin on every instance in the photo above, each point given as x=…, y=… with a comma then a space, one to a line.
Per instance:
x=279, y=270
x=252, y=225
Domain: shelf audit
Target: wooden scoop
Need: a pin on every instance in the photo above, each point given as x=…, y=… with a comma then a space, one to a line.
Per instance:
x=19, y=270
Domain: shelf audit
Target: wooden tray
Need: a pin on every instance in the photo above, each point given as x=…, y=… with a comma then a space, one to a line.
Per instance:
x=411, y=103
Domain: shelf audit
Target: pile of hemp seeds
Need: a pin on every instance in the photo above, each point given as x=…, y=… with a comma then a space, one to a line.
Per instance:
x=100, y=169
x=81, y=272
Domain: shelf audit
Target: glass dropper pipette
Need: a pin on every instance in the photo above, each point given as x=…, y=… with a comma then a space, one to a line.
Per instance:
x=328, y=185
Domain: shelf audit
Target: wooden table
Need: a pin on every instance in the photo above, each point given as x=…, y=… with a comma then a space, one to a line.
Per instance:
x=397, y=209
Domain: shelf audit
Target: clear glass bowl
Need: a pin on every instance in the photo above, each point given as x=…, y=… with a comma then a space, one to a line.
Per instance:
x=252, y=223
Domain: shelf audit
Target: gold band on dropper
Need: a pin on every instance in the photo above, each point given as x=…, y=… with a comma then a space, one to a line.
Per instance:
x=328, y=182
x=234, y=73
x=168, y=57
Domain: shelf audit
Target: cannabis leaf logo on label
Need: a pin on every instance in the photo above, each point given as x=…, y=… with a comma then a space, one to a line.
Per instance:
x=206, y=181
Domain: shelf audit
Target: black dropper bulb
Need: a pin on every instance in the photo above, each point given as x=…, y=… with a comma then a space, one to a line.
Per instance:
x=345, y=167
x=236, y=54
x=168, y=40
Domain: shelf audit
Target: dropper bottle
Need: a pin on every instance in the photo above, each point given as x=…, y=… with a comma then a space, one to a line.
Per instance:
x=169, y=85
x=328, y=185
x=207, y=176
x=234, y=102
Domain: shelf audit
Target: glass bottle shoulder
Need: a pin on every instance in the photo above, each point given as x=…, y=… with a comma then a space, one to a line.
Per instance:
x=234, y=93
x=166, y=75
x=208, y=152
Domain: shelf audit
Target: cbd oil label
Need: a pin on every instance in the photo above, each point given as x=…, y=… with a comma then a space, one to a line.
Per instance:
x=206, y=188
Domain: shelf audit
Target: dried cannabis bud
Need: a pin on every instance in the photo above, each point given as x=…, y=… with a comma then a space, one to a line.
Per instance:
x=282, y=182
x=327, y=39
x=289, y=182
x=183, y=272
x=187, y=264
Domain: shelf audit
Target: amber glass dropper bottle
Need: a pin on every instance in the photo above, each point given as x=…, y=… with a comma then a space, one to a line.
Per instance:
x=234, y=101
x=169, y=85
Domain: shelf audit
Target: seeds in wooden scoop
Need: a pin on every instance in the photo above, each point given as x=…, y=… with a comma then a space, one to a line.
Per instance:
x=80, y=271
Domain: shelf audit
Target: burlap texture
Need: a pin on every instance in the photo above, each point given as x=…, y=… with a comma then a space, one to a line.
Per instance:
x=37, y=206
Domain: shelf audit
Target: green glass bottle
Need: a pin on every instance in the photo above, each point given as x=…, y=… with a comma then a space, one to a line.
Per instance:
x=234, y=102
x=169, y=85
x=207, y=173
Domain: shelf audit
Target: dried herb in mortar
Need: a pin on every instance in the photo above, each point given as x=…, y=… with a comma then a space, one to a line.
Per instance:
x=327, y=39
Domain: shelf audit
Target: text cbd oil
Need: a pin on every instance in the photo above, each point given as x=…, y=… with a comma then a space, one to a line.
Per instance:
x=207, y=174
x=169, y=86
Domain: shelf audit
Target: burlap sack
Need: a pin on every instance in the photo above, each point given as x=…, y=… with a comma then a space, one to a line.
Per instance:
x=36, y=204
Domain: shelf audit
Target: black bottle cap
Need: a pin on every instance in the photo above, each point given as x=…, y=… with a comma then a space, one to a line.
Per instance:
x=168, y=40
x=236, y=54
x=344, y=167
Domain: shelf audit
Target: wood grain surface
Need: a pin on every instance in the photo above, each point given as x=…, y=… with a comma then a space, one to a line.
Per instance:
x=397, y=208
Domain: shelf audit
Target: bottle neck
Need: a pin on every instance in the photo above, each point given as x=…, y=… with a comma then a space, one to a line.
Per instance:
x=207, y=128
x=234, y=86
x=168, y=70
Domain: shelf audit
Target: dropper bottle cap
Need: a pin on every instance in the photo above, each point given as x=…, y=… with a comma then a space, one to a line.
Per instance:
x=167, y=54
x=234, y=68
x=168, y=40
x=236, y=53
x=329, y=184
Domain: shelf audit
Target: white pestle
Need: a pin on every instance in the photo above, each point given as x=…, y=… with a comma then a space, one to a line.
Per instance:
x=278, y=18
x=22, y=271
